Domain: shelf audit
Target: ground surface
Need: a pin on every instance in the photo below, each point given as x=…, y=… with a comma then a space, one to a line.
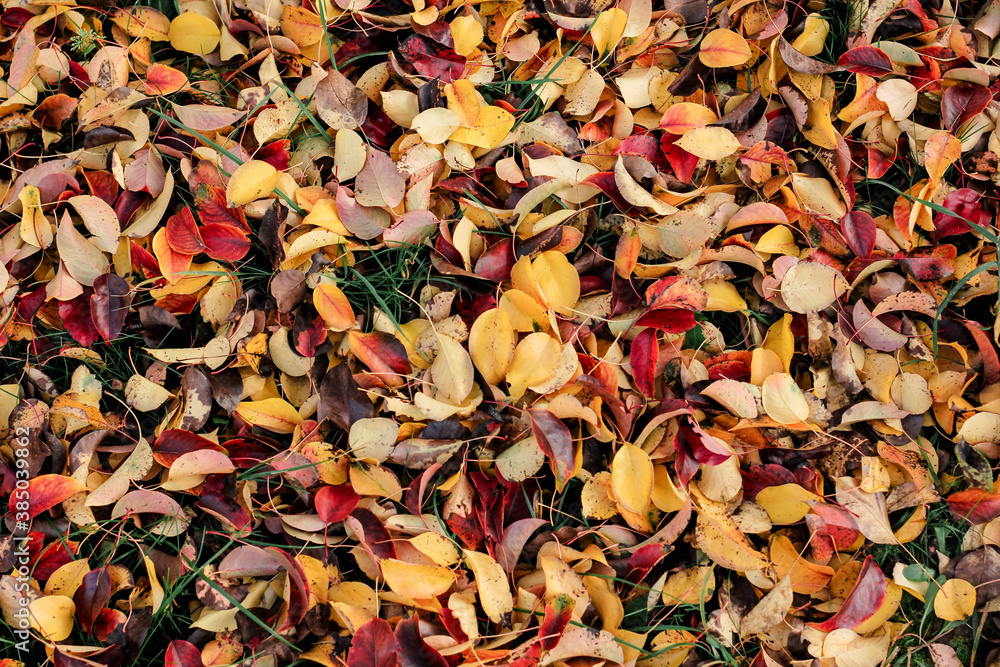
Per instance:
x=501, y=333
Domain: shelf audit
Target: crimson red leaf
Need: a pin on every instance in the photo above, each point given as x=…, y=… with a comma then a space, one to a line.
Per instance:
x=859, y=232
x=373, y=645
x=869, y=60
x=431, y=59
x=413, y=650
x=376, y=536
x=961, y=103
x=109, y=305
x=555, y=440
x=172, y=443
x=833, y=530
x=862, y=603
x=76, y=318
x=224, y=242
x=644, y=357
x=212, y=209
x=668, y=320
x=558, y=613
x=644, y=559
x=976, y=505
x=676, y=292
x=497, y=261
x=183, y=654
x=92, y=596
x=965, y=207
x=928, y=262
x=335, y=503
x=182, y=233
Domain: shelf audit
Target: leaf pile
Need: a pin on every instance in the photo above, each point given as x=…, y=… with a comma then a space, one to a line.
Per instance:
x=506, y=333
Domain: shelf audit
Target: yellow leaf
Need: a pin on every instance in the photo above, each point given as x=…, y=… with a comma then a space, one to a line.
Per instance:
x=632, y=478
x=332, y=305
x=710, y=143
x=724, y=48
x=492, y=127
x=535, y=360
x=786, y=504
x=66, y=579
x=467, y=33
x=437, y=547
x=52, y=616
x=779, y=343
x=783, y=400
x=722, y=296
x=418, y=582
x=273, y=414
x=491, y=344
x=194, y=33
x=890, y=603
x=689, y=586
x=156, y=590
x=452, y=370
x=718, y=535
x=955, y=601
x=491, y=580
x=251, y=181
x=608, y=30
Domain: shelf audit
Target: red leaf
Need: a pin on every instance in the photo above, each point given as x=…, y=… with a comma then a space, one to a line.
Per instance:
x=413, y=650
x=669, y=320
x=862, y=603
x=432, y=60
x=991, y=362
x=109, y=305
x=555, y=440
x=377, y=538
x=45, y=492
x=557, y=616
x=103, y=184
x=733, y=365
x=961, y=103
x=276, y=154
x=76, y=318
x=298, y=587
x=92, y=597
x=833, y=530
x=373, y=645
x=644, y=357
x=108, y=620
x=225, y=242
x=335, y=503
x=868, y=60
x=644, y=559
x=976, y=505
x=172, y=443
x=211, y=204
x=676, y=292
x=182, y=654
x=758, y=478
x=605, y=182
x=859, y=232
x=645, y=146
x=964, y=204
x=928, y=263
x=382, y=354
x=496, y=263
x=182, y=233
